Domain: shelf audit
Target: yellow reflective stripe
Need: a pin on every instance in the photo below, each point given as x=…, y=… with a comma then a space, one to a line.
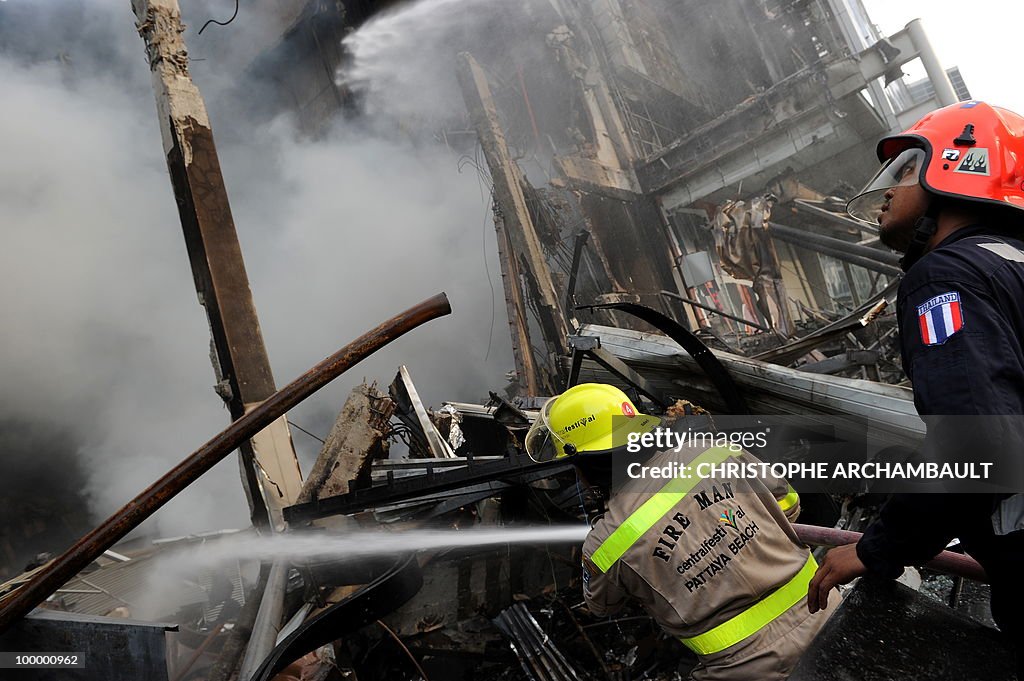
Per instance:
x=790, y=500
x=750, y=621
x=652, y=510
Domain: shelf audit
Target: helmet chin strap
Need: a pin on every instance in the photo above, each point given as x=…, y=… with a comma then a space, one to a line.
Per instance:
x=924, y=230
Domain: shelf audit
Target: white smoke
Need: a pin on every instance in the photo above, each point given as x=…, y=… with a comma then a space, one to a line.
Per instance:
x=103, y=332
x=403, y=60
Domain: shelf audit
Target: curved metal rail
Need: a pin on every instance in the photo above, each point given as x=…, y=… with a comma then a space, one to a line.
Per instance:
x=701, y=354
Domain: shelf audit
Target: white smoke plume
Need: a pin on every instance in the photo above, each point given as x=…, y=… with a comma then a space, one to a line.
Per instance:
x=104, y=336
x=403, y=59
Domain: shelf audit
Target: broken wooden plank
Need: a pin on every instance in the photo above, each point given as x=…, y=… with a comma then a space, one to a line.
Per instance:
x=411, y=411
x=515, y=309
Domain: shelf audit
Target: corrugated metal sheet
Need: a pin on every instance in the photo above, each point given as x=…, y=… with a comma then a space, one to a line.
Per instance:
x=146, y=584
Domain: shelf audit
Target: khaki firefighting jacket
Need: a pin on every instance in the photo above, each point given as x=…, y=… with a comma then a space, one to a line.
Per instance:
x=712, y=560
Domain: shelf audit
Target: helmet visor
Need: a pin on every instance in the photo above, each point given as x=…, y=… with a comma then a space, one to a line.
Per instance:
x=541, y=442
x=901, y=170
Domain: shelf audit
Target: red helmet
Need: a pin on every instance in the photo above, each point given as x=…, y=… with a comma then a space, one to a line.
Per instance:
x=967, y=151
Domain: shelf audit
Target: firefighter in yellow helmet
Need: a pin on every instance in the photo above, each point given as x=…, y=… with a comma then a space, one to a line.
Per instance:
x=714, y=560
x=590, y=417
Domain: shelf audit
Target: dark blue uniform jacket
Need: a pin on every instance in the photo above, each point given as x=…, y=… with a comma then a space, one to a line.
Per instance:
x=961, y=323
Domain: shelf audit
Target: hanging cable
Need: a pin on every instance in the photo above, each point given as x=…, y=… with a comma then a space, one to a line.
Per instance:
x=221, y=23
x=484, y=180
x=300, y=428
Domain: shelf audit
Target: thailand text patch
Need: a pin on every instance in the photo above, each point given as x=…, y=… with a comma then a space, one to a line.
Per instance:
x=940, y=317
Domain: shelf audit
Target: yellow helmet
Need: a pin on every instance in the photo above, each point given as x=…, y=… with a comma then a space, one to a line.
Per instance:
x=589, y=417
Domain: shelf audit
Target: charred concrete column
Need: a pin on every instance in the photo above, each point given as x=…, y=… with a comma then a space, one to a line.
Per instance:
x=269, y=466
x=517, y=225
x=515, y=308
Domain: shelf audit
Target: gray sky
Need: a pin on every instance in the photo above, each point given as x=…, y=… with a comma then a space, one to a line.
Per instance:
x=982, y=37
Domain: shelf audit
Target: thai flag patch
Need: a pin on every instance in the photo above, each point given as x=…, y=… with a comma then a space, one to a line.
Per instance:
x=940, y=317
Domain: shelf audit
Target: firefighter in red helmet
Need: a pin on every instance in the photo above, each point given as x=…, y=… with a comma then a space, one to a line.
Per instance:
x=950, y=197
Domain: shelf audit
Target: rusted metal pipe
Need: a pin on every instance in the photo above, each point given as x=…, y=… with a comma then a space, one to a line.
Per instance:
x=869, y=258
x=529, y=107
x=88, y=548
x=947, y=561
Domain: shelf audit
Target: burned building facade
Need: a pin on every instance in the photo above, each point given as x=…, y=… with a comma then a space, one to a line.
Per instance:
x=691, y=157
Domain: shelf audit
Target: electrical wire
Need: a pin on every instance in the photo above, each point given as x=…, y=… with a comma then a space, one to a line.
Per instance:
x=220, y=23
x=300, y=428
x=484, y=181
x=483, y=178
x=490, y=282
